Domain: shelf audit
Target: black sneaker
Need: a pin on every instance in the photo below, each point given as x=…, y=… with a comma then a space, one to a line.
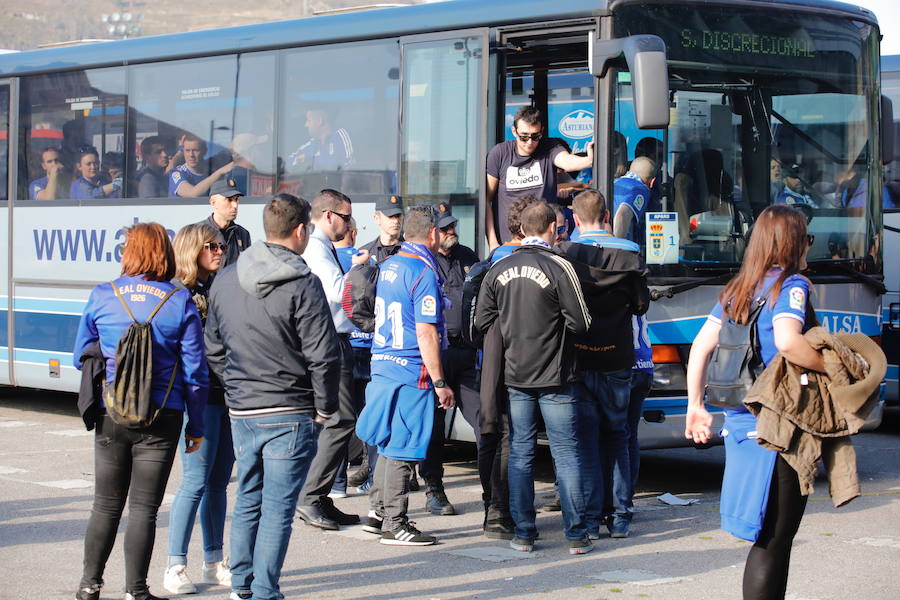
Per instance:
x=358, y=477
x=503, y=528
x=373, y=523
x=437, y=503
x=330, y=511
x=90, y=592
x=407, y=535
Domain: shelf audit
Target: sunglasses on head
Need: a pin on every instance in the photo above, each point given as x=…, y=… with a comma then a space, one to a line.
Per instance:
x=534, y=137
x=215, y=246
x=346, y=218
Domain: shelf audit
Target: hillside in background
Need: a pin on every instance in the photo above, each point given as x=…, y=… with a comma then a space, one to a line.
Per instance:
x=28, y=24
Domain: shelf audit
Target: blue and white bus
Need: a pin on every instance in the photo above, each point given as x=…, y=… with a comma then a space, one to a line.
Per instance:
x=415, y=96
x=890, y=337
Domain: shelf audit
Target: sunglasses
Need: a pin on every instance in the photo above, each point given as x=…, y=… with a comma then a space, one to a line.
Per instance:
x=562, y=229
x=810, y=239
x=534, y=137
x=215, y=247
x=346, y=218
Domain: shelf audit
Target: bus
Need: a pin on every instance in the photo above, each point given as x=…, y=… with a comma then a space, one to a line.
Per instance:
x=728, y=95
x=890, y=337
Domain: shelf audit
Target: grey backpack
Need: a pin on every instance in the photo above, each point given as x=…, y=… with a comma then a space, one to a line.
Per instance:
x=736, y=361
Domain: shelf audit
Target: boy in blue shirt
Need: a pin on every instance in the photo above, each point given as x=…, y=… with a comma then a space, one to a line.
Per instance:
x=406, y=375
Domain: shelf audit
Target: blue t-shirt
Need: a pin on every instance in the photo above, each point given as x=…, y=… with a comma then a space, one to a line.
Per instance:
x=407, y=293
x=35, y=187
x=181, y=174
x=791, y=304
x=504, y=250
x=358, y=339
x=789, y=196
x=82, y=189
x=631, y=191
x=643, y=350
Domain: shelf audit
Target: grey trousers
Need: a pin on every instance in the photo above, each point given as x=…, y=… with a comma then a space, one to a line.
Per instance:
x=389, y=494
x=334, y=437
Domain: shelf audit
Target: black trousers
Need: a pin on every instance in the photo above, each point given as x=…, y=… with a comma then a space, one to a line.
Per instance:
x=334, y=437
x=133, y=465
x=493, y=454
x=766, y=570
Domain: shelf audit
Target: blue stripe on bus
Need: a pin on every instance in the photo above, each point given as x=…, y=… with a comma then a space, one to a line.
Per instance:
x=42, y=331
x=42, y=357
x=48, y=305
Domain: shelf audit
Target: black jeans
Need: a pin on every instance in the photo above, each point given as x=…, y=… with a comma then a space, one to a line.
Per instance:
x=131, y=464
x=766, y=570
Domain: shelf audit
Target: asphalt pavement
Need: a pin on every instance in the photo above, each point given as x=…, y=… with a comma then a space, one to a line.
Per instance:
x=674, y=552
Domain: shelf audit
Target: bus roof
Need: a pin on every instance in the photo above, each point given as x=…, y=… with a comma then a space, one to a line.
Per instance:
x=405, y=20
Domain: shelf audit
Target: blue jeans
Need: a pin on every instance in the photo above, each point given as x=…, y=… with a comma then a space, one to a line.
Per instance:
x=641, y=382
x=559, y=410
x=591, y=468
x=611, y=394
x=204, y=481
x=273, y=455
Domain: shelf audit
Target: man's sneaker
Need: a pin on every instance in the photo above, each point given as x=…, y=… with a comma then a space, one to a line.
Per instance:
x=241, y=596
x=357, y=477
x=91, y=592
x=373, y=523
x=437, y=503
x=500, y=529
x=619, y=528
x=219, y=574
x=553, y=504
x=176, y=580
x=330, y=511
x=522, y=545
x=337, y=494
x=364, y=487
x=407, y=535
x=580, y=546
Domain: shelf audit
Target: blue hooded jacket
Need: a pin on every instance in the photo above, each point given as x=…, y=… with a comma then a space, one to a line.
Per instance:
x=177, y=338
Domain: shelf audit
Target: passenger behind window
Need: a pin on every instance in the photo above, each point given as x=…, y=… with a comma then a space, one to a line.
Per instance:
x=152, y=179
x=74, y=139
x=795, y=191
x=653, y=149
x=189, y=180
x=88, y=184
x=619, y=154
x=245, y=153
x=328, y=148
x=52, y=184
x=113, y=167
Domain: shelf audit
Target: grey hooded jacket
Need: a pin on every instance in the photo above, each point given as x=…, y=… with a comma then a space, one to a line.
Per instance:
x=269, y=334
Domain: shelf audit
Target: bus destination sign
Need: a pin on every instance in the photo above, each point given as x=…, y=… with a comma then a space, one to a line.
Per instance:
x=747, y=43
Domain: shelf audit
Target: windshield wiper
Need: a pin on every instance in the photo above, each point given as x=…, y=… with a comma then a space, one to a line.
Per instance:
x=847, y=268
x=671, y=291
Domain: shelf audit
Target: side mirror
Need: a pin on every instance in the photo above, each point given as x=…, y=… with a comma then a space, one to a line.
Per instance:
x=645, y=56
x=887, y=130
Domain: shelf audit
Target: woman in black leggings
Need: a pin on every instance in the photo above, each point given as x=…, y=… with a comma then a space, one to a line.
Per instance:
x=761, y=500
x=134, y=464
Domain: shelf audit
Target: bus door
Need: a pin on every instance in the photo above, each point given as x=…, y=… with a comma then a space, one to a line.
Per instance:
x=442, y=122
x=548, y=69
x=5, y=207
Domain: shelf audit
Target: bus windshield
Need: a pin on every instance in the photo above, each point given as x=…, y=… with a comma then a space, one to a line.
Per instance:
x=767, y=107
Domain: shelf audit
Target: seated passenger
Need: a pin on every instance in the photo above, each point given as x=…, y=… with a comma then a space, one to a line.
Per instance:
x=50, y=185
x=776, y=184
x=328, y=149
x=794, y=189
x=153, y=179
x=88, y=184
x=113, y=168
x=190, y=180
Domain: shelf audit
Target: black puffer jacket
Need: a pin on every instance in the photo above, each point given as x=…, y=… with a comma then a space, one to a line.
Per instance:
x=269, y=334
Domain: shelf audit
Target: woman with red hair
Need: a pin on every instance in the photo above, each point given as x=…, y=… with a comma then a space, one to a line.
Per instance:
x=134, y=464
x=761, y=500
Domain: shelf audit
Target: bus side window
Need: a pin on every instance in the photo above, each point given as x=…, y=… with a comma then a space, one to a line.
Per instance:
x=61, y=117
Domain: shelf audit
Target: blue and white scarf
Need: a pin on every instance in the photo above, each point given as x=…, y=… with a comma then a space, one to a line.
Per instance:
x=533, y=240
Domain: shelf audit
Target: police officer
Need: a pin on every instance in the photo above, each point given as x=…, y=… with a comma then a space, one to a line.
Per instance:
x=389, y=218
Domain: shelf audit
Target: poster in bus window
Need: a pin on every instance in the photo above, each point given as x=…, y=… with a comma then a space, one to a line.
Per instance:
x=662, y=238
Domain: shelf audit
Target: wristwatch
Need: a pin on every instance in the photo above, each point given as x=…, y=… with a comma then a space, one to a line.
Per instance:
x=439, y=383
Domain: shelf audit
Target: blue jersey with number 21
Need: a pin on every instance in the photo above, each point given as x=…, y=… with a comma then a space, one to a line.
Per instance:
x=407, y=293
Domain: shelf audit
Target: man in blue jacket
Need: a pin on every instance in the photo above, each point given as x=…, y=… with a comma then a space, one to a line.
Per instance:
x=271, y=340
x=406, y=375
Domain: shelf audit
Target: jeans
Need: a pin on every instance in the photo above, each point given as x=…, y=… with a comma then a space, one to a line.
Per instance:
x=641, y=382
x=591, y=468
x=559, y=410
x=611, y=393
x=204, y=481
x=273, y=454
x=132, y=464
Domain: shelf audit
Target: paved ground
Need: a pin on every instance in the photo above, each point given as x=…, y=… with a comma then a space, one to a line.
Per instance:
x=675, y=552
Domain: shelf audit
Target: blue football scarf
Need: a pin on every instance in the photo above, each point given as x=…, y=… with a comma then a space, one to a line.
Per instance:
x=533, y=240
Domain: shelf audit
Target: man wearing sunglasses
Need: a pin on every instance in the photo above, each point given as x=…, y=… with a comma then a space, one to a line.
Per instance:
x=224, y=197
x=525, y=165
x=331, y=214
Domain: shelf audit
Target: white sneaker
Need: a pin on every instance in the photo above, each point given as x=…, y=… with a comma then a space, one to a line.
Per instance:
x=177, y=581
x=217, y=575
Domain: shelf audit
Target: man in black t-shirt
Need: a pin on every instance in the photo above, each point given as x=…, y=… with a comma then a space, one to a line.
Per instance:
x=524, y=166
